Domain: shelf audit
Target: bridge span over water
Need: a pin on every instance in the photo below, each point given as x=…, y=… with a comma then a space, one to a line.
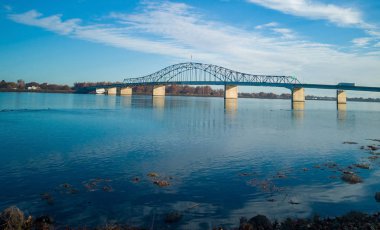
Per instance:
x=192, y=73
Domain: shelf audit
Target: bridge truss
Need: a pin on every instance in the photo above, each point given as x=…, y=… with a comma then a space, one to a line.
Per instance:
x=198, y=73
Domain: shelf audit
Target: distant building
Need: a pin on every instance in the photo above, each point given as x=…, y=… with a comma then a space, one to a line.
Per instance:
x=33, y=87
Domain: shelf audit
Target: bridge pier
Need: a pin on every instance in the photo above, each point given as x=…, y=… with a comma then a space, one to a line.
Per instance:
x=112, y=91
x=126, y=91
x=158, y=90
x=230, y=92
x=341, y=100
x=298, y=98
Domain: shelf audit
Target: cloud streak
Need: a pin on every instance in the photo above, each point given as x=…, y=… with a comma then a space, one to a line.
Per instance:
x=341, y=16
x=178, y=30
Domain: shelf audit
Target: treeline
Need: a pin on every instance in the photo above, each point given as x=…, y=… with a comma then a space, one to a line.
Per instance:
x=20, y=85
x=169, y=89
x=182, y=90
x=265, y=95
x=81, y=85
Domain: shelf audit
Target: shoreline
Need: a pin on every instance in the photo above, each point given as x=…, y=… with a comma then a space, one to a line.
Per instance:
x=377, y=100
x=14, y=218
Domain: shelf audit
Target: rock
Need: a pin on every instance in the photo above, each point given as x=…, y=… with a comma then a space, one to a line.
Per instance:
x=244, y=174
x=12, y=218
x=351, y=178
x=280, y=175
x=260, y=222
x=66, y=185
x=372, y=147
x=136, y=180
x=293, y=202
x=373, y=157
x=108, y=188
x=350, y=143
x=161, y=183
x=173, y=217
x=152, y=174
x=44, y=223
x=378, y=140
x=48, y=198
x=377, y=196
x=362, y=165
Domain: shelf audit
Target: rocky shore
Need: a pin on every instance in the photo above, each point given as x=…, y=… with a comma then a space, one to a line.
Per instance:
x=13, y=218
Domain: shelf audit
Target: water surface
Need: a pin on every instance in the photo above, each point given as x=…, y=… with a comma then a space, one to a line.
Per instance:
x=84, y=152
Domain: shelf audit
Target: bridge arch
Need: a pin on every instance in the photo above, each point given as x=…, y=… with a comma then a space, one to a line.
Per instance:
x=199, y=73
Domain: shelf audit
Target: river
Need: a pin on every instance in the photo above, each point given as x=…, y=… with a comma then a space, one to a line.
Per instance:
x=85, y=159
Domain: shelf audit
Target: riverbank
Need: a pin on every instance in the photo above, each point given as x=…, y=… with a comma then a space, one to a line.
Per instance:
x=35, y=91
x=242, y=95
x=13, y=218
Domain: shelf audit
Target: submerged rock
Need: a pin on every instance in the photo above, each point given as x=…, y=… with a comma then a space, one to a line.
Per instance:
x=294, y=202
x=48, y=198
x=161, y=183
x=136, y=180
x=350, y=142
x=108, y=188
x=257, y=222
x=244, y=174
x=44, y=223
x=378, y=140
x=152, y=174
x=373, y=157
x=377, y=196
x=362, y=165
x=372, y=147
x=351, y=178
x=173, y=217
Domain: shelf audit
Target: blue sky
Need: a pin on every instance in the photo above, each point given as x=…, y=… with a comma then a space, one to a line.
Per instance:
x=319, y=41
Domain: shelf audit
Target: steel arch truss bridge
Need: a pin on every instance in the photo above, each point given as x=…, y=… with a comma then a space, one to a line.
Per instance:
x=191, y=73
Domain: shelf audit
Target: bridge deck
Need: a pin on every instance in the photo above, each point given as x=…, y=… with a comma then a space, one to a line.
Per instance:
x=283, y=85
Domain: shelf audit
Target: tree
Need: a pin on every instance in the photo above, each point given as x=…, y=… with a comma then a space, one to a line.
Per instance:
x=3, y=84
x=21, y=84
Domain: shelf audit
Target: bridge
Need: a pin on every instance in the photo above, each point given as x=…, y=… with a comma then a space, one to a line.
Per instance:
x=192, y=73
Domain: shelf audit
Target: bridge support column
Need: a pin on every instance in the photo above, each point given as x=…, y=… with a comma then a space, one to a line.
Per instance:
x=298, y=99
x=341, y=100
x=230, y=92
x=158, y=90
x=126, y=91
x=112, y=91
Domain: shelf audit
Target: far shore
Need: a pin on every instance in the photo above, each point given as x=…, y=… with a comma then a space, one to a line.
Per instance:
x=308, y=97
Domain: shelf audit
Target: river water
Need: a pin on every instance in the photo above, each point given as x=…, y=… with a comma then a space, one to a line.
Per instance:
x=85, y=159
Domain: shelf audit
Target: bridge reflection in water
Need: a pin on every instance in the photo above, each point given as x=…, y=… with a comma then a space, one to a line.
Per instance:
x=192, y=73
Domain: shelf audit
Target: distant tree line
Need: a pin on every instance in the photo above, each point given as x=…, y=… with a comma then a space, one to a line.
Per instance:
x=20, y=85
x=79, y=87
x=265, y=95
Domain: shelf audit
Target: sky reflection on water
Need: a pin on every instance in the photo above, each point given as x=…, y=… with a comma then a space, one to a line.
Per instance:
x=219, y=155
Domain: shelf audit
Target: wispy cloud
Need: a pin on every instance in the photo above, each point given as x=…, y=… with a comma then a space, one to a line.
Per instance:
x=341, y=16
x=267, y=25
x=361, y=41
x=178, y=30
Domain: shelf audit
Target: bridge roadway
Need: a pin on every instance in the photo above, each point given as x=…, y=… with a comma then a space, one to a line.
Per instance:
x=191, y=73
x=282, y=85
